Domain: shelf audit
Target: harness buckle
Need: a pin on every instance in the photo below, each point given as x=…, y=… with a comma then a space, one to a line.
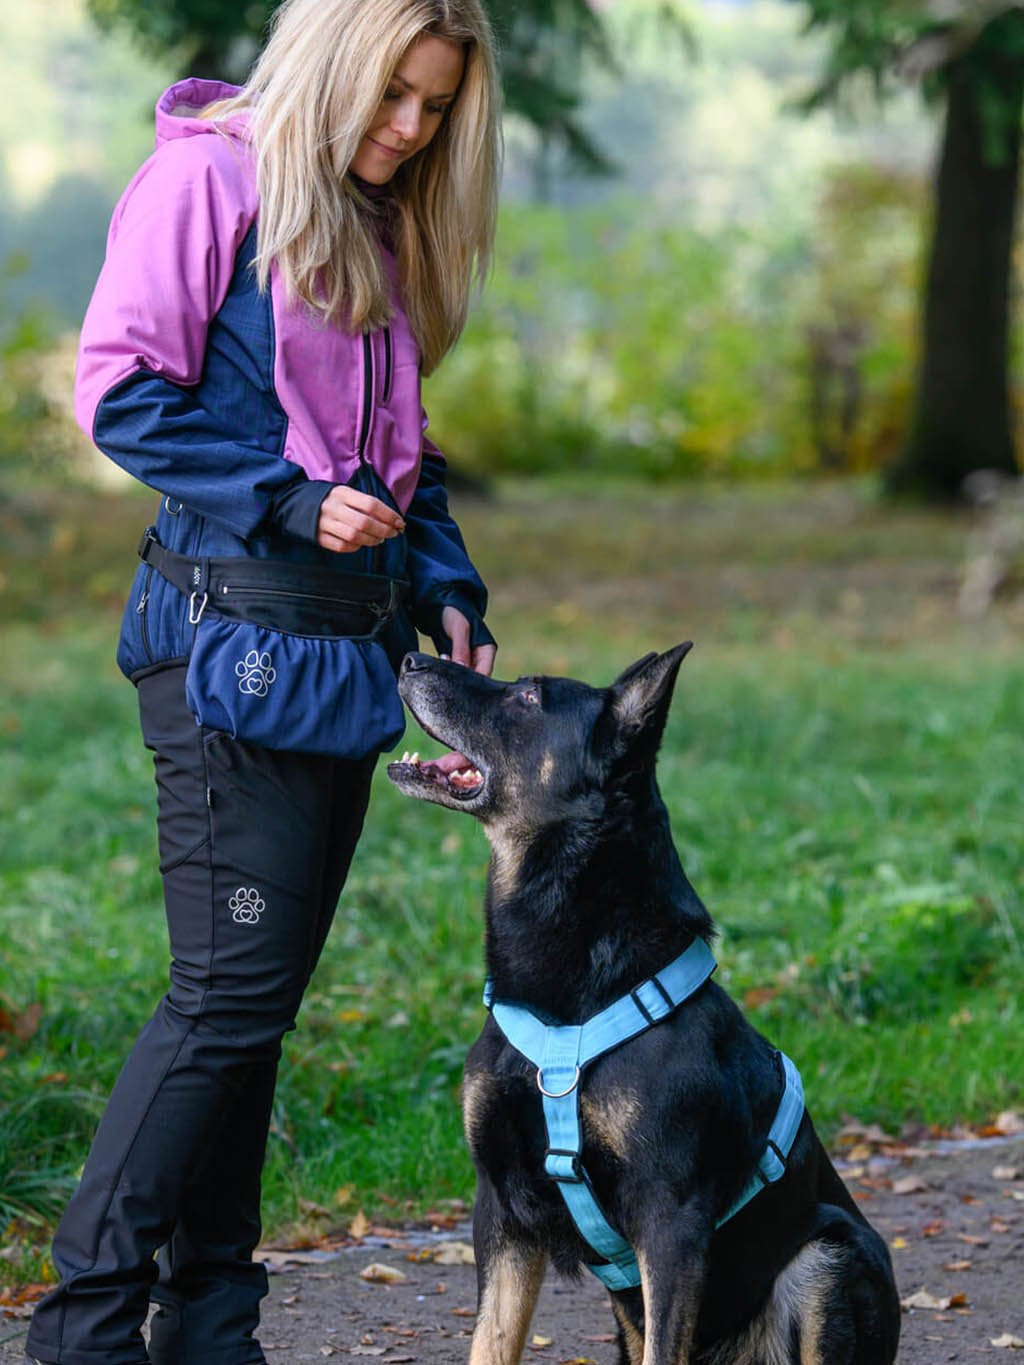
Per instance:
x=575, y=1177
x=772, y=1145
x=635, y=997
x=556, y=1094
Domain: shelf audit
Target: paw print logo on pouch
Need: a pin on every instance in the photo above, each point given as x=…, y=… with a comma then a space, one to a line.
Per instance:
x=256, y=673
x=246, y=905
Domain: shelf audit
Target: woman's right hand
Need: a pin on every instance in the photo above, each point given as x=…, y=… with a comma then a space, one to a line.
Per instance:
x=350, y=520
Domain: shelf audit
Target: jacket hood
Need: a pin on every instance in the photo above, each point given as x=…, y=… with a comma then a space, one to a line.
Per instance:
x=178, y=108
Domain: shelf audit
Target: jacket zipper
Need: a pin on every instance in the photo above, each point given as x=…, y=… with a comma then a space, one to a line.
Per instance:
x=387, y=366
x=241, y=589
x=364, y=428
x=141, y=609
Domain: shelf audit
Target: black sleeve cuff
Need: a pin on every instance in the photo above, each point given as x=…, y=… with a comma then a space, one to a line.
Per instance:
x=428, y=619
x=296, y=509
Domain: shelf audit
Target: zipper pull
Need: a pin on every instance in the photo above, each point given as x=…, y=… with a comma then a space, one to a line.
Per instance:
x=142, y=602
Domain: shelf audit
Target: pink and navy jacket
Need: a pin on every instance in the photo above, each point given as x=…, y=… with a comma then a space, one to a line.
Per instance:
x=241, y=409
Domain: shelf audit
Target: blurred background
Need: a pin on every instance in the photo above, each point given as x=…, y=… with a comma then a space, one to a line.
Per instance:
x=748, y=371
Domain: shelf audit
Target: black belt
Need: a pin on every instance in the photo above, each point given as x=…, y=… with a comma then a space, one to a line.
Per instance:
x=302, y=599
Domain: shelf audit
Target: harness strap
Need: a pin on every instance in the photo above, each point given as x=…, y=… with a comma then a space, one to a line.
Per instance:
x=562, y=1052
x=781, y=1135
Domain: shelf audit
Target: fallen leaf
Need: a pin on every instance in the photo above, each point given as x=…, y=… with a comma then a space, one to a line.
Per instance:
x=536, y=1340
x=454, y=1253
x=18, y=1301
x=26, y=1024
x=957, y=1265
x=899, y=1244
x=1008, y=1173
x=438, y=1219
x=997, y=1225
x=909, y=1184
x=313, y=1209
x=1009, y=1123
x=377, y=1273
x=601, y=1336
x=278, y=1260
x=464, y=1312
x=359, y=1226
x=935, y=1228
x=1008, y=1342
x=972, y=1239
x=852, y=1132
x=366, y=1350
x=922, y=1299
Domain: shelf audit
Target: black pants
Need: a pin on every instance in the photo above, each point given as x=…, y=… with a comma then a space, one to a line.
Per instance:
x=255, y=846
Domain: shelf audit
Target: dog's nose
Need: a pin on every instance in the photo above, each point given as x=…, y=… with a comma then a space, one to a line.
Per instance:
x=414, y=662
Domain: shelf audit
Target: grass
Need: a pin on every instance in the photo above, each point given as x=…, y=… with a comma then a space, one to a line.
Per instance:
x=842, y=767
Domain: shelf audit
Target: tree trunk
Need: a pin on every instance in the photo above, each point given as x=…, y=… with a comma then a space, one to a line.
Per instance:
x=963, y=419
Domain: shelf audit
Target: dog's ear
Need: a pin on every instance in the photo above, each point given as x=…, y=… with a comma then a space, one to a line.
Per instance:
x=639, y=699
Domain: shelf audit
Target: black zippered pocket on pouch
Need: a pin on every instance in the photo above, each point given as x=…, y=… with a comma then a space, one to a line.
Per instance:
x=294, y=612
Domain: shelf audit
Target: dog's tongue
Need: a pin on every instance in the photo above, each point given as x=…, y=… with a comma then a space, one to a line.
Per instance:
x=451, y=763
x=457, y=769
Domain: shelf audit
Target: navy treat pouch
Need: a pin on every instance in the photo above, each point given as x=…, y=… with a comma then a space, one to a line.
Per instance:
x=287, y=655
x=302, y=693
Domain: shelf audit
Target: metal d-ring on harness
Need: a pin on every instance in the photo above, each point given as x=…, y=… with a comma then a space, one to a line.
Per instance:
x=562, y=1054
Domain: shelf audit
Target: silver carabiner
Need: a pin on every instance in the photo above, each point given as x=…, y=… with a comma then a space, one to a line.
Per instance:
x=195, y=614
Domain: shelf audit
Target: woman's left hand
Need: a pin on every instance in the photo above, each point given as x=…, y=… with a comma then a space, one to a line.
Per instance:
x=456, y=627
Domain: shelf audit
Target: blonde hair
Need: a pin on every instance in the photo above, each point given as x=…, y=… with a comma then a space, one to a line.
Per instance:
x=311, y=96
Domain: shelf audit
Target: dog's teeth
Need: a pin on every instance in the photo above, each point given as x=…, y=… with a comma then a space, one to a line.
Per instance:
x=415, y=758
x=405, y=756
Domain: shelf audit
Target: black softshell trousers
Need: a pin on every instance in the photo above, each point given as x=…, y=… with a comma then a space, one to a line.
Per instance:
x=255, y=845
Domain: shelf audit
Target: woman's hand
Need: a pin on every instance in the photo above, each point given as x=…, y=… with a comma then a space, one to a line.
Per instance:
x=350, y=520
x=456, y=627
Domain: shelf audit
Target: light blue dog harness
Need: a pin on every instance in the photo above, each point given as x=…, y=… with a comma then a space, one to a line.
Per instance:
x=562, y=1053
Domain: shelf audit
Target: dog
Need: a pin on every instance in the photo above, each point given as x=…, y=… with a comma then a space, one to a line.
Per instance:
x=586, y=899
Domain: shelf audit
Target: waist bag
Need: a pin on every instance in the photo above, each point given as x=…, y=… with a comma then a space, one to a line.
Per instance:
x=288, y=655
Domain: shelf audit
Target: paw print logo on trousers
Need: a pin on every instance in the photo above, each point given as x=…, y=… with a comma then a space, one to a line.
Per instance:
x=256, y=673
x=246, y=905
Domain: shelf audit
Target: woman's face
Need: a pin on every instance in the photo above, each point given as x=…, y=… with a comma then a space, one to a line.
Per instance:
x=423, y=86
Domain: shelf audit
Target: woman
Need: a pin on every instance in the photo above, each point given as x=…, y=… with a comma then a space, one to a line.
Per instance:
x=277, y=276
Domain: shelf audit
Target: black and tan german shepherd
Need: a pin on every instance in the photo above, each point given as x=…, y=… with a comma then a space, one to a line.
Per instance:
x=586, y=899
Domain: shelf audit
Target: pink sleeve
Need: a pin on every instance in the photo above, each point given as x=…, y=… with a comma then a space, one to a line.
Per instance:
x=170, y=257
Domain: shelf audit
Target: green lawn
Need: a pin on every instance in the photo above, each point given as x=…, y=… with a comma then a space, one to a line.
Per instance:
x=842, y=768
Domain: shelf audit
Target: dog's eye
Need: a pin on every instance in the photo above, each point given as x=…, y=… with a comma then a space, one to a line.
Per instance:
x=528, y=696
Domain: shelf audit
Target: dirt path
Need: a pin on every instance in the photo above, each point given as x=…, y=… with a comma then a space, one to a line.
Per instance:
x=958, y=1230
